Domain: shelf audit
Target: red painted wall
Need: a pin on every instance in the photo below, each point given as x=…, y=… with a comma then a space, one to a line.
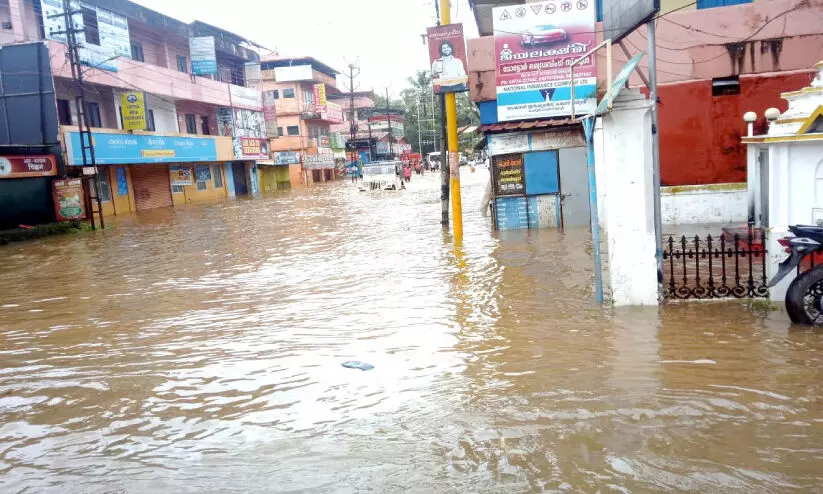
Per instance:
x=700, y=133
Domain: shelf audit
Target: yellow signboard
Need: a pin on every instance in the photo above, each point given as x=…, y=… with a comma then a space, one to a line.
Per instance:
x=134, y=110
x=157, y=153
x=320, y=98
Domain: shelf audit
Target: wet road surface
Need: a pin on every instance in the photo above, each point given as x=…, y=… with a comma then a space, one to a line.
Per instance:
x=199, y=349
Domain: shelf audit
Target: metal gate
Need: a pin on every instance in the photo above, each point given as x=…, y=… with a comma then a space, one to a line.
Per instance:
x=152, y=187
x=730, y=265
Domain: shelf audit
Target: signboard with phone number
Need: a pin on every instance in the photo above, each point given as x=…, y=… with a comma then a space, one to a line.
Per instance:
x=507, y=175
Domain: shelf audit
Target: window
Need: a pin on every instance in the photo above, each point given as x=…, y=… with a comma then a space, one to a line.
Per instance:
x=137, y=51
x=63, y=112
x=308, y=97
x=150, y=120
x=280, y=131
x=93, y=114
x=724, y=86
x=122, y=181
x=217, y=174
x=288, y=93
x=6, y=26
x=191, y=124
x=90, y=27
x=204, y=125
x=182, y=64
x=177, y=189
x=293, y=130
x=275, y=94
x=105, y=188
x=202, y=185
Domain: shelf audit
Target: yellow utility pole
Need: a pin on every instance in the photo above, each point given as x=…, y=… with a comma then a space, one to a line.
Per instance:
x=451, y=133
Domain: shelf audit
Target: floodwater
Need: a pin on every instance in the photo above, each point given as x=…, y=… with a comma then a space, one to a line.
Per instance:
x=199, y=349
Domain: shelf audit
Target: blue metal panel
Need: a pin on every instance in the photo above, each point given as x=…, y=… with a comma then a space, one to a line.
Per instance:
x=707, y=4
x=512, y=213
x=541, y=173
x=229, y=178
x=488, y=112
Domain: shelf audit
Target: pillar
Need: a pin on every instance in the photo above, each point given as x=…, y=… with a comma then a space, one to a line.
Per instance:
x=628, y=200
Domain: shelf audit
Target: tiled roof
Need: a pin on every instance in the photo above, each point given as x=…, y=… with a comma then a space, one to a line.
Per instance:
x=526, y=125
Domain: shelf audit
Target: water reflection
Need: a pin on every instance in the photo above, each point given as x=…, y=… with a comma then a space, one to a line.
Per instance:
x=198, y=349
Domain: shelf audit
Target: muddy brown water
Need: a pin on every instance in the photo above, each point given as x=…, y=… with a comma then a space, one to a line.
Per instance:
x=198, y=349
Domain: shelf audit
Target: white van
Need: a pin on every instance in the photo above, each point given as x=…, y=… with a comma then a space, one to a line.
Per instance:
x=381, y=175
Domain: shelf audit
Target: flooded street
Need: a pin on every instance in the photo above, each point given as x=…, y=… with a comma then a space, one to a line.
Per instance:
x=199, y=349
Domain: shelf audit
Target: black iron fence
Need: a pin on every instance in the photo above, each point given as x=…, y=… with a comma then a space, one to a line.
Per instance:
x=729, y=265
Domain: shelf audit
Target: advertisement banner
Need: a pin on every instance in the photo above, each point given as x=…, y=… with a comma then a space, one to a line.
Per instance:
x=241, y=123
x=287, y=158
x=270, y=114
x=112, y=33
x=534, y=45
x=333, y=113
x=507, y=175
x=27, y=166
x=203, y=56
x=320, y=98
x=181, y=175
x=251, y=148
x=133, y=104
x=317, y=161
x=246, y=96
x=447, y=55
x=69, y=203
x=125, y=149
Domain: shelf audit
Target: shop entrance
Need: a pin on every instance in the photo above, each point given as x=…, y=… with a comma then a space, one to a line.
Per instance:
x=238, y=171
x=152, y=188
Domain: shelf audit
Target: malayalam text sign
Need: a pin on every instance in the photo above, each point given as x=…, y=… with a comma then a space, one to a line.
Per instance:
x=133, y=104
x=447, y=55
x=69, y=202
x=125, y=149
x=320, y=98
x=27, y=166
x=534, y=45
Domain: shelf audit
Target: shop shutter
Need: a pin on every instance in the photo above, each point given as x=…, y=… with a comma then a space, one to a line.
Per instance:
x=152, y=188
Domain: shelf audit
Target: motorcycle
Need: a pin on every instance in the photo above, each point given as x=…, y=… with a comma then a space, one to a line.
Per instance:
x=804, y=298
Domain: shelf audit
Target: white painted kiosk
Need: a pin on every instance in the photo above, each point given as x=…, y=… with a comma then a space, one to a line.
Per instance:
x=785, y=172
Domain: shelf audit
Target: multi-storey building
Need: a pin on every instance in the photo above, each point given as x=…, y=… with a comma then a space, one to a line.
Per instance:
x=304, y=90
x=202, y=133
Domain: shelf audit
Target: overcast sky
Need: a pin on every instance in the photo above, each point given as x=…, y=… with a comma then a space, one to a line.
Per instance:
x=382, y=36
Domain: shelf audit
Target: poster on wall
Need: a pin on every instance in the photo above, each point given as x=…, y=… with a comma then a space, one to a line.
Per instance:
x=69, y=203
x=203, y=56
x=98, y=46
x=133, y=104
x=181, y=175
x=534, y=45
x=447, y=55
x=270, y=114
x=507, y=175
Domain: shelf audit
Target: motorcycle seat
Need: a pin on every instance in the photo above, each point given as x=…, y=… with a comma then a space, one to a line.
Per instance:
x=807, y=230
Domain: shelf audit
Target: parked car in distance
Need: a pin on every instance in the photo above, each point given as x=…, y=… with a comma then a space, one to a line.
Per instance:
x=542, y=35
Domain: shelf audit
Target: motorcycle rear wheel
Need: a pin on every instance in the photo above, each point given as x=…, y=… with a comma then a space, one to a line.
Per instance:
x=804, y=298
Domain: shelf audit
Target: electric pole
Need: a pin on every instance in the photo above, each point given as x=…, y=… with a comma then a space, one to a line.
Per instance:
x=444, y=159
x=450, y=106
x=86, y=141
x=354, y=71
x=388, y=114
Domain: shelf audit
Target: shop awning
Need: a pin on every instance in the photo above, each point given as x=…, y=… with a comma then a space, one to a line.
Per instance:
x=526, y=125
x=468, y=129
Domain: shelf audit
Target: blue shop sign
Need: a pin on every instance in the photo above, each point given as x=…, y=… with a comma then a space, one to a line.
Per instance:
x=127, y=149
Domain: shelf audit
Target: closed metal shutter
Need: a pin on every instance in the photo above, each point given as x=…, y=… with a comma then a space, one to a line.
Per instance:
x=152, y=188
